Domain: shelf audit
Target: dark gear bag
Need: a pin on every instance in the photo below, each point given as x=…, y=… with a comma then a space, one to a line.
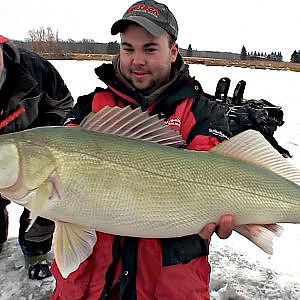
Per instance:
x=260, y=115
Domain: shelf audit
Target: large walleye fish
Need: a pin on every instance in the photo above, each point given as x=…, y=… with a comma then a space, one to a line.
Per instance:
x=89, y=181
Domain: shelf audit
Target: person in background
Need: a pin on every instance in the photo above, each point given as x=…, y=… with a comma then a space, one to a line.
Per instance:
x=149, y=72
x=32, y=94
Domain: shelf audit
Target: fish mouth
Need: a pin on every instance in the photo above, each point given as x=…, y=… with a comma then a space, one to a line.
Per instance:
x=9, y=165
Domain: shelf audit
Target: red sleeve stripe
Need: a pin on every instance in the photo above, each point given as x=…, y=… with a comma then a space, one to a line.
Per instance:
x=11, y=117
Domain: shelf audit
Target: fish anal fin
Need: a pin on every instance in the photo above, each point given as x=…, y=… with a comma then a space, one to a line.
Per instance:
x=261, y=235
x=73, y=244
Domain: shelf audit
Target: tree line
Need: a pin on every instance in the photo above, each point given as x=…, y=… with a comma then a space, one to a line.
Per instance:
x=256, y=55
x=46, y=41
x=275, y=56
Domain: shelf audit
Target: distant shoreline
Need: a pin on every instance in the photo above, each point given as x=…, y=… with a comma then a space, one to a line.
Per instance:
x=253, y=64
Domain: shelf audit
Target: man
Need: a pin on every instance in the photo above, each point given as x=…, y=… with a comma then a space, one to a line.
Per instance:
x=150, y=73
x=32, y=94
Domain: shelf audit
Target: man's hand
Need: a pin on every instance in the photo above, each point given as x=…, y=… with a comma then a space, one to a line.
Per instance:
x=223, y=228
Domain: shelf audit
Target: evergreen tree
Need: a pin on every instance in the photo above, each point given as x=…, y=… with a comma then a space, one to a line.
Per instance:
x=189, y=51
x=243, y=53
x=295, y=58
x=113, y=48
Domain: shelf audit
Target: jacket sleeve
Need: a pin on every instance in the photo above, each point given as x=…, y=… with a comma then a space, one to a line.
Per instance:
x=56, y=100
x=211, y=126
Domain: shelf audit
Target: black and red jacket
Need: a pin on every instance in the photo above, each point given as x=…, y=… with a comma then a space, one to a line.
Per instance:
x=33, y=93
x=145, y=269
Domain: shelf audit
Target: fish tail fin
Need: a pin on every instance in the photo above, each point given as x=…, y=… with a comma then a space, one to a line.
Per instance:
x=261, y=235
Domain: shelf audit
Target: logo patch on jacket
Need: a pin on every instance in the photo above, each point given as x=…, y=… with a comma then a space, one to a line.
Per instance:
x=174, y=122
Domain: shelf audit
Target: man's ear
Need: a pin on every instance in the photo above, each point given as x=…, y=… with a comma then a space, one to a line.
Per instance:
x=174, y=52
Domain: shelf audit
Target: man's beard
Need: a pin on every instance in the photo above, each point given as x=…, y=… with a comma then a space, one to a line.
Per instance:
x=150, y=88
x=145, y=91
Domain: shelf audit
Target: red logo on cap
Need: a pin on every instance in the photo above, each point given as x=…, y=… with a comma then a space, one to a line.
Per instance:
x=144, y=7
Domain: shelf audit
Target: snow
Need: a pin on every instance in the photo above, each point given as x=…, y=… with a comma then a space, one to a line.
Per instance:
x=239, y=269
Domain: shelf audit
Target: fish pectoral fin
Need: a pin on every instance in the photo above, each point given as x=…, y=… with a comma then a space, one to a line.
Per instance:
x=44, y=192
x=261, y=235
x=73, y=244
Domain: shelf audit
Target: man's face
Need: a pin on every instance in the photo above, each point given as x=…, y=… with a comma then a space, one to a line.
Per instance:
x=145, y=60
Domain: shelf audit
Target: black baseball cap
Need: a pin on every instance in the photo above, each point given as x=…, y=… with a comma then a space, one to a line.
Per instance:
x=155, y=17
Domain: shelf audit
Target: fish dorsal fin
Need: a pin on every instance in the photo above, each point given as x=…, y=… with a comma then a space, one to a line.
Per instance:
x=250, y=146
x=132, y=123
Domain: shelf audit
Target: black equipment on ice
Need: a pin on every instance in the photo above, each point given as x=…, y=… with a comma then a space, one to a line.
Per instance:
x=260, y=115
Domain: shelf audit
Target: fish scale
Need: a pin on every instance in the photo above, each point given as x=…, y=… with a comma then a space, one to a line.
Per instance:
x=150, y=190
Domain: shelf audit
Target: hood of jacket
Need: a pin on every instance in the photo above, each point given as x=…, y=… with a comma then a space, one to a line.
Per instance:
x=10, y=92
x=10, y=52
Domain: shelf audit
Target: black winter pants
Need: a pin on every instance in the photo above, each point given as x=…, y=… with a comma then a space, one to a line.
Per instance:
x=3, y=220
x=37, y=240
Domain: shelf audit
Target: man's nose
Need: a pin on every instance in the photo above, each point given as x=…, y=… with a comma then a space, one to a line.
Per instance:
x=139, y=58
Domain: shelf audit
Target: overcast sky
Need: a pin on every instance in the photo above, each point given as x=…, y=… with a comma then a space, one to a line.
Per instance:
x=215, y=25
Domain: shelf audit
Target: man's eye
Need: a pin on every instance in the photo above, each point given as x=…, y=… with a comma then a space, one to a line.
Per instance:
x=150, y=50
x=128, y=49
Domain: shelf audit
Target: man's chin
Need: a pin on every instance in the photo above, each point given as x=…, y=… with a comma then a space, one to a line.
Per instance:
x=144, y=87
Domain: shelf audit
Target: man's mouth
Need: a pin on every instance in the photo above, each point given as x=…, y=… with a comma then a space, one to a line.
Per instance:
x=139, y=74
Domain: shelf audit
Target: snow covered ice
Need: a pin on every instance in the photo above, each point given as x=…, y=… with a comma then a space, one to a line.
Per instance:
x=240, y=270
